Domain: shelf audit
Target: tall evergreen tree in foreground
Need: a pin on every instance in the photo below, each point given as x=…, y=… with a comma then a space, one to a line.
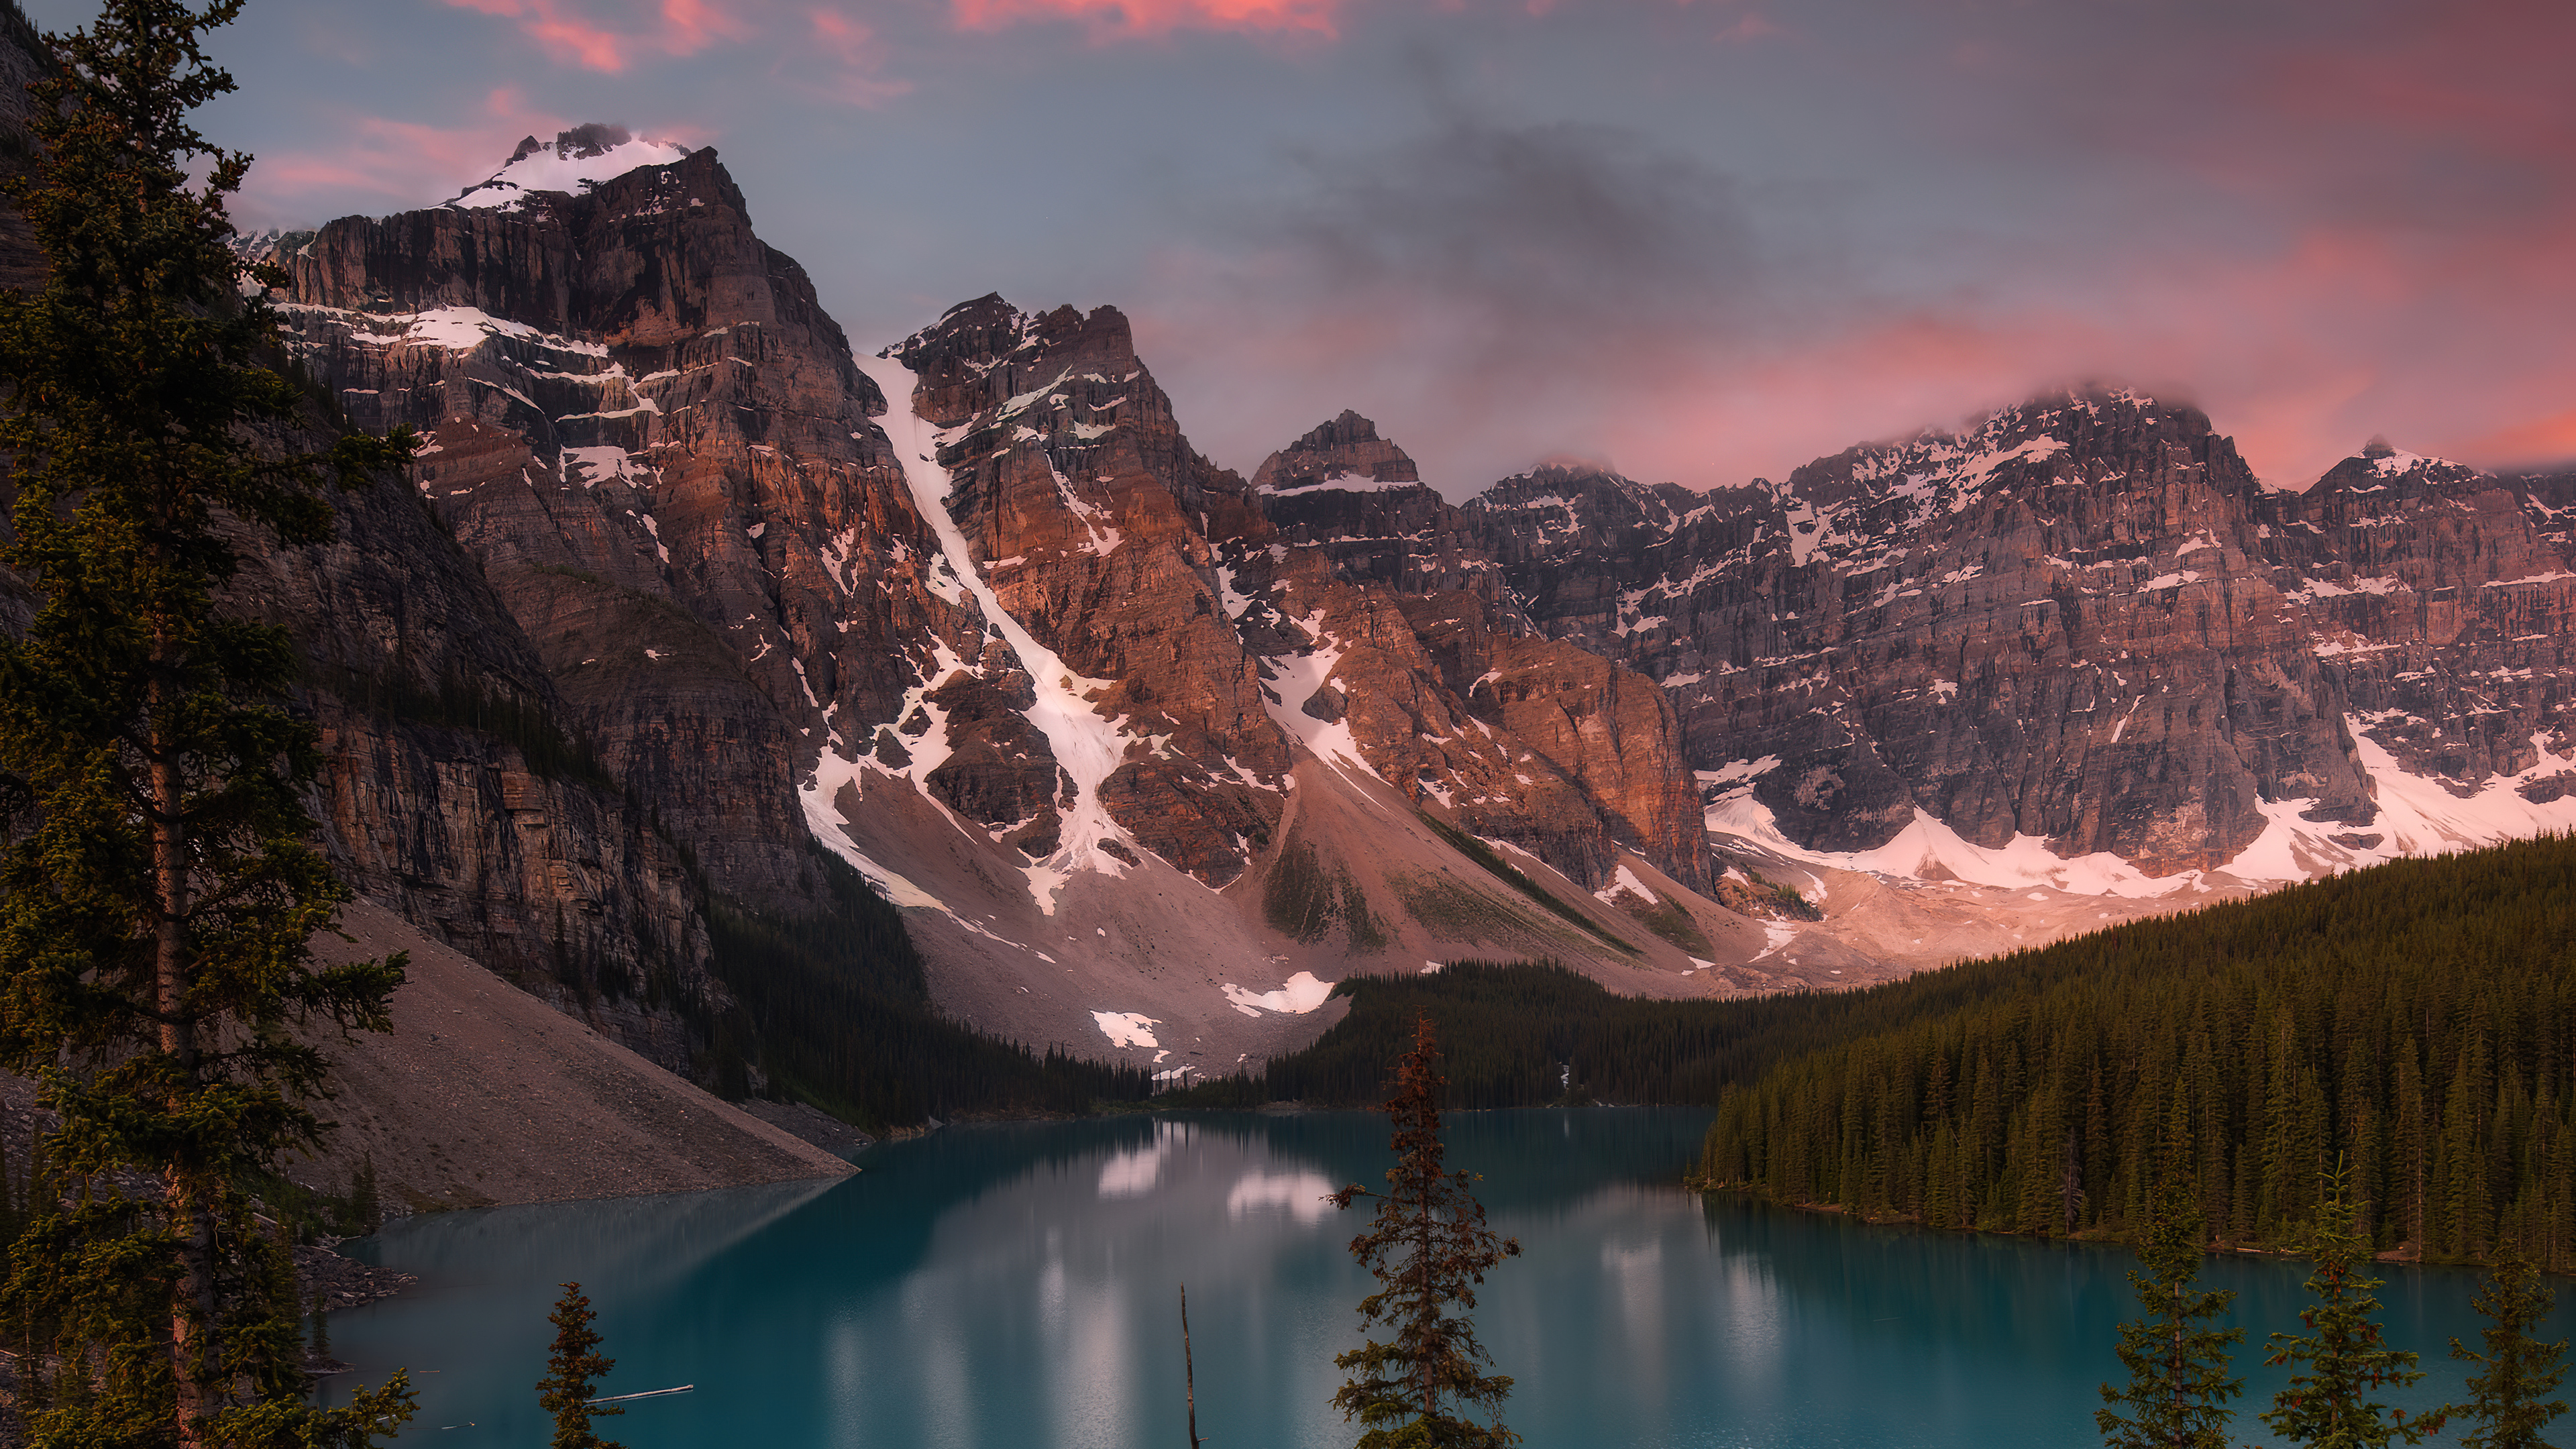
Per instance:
x=2504, y=1399
x=572, y=1374
x=157, y=894
x=2177, y=1361
x=1429, y=1247
x=2344, y=1357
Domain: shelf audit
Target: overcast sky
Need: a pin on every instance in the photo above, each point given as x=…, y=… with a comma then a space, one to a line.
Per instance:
x=1701, y=240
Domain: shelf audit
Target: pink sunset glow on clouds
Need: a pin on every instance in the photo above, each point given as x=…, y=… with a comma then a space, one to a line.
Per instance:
x=2344, y=329
x=389, y=158
x=819, y=51
x=842, y=60
x=1113, y=18
x=1705, y=239
x=610, y=37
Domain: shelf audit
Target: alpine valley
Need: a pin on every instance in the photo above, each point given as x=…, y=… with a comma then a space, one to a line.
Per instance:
x=695, y=612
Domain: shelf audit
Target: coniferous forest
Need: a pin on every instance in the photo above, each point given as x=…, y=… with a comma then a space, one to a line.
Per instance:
x=2414, y=1023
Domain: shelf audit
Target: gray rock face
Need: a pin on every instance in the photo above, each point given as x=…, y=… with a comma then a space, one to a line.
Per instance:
x=658, y=448
x=666, y=464
x=1359, y=499
x=2082, y=621
x=1441, y=658
x=1074, y=641
x=454, y=787
x=2440, y=598
x=455, y=791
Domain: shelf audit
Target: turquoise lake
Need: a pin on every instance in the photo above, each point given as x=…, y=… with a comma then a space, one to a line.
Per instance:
x=1018, y=1285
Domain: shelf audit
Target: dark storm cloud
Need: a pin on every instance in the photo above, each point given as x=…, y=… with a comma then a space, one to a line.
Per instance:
x=1552, y=234
x=1474, y=258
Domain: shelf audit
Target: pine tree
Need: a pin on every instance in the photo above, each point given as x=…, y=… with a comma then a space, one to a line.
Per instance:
x=157, y=894
x=2342, y=1351
x=571, y=1373
x=2178, y=1380
x=1429, y=1247
x=2505, y=1398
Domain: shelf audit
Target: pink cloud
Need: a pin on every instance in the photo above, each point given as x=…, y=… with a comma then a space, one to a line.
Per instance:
x=1751, y=26
x=846, y=52
x=2456, y=348
x=2538, y=440
x=581, y=35
x=1122, y=18
x=373, y=160
x=823, y=49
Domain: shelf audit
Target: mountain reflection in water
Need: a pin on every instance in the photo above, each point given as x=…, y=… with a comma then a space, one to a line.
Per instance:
x=1018, y=1285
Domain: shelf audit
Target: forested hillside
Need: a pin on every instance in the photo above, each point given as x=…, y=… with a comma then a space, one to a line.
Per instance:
x=1534, y=1033
x=2416, y=1021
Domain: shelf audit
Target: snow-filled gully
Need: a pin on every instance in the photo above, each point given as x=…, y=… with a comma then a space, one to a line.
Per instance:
x=1086, y=745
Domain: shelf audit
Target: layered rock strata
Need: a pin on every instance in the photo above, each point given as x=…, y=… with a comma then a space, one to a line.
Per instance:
x=658, y=448
x=971, y=614
x=2083, y=622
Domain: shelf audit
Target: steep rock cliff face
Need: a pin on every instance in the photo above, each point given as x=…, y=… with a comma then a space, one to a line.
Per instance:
x=2081, y=625
x=659, y=450
x=1138, y=563
x=2443, y=599
x=1085, y=511
x=453, y=792
x=1439, y=678
x=455, y=787
x=1359, y=499
x=1009, y=646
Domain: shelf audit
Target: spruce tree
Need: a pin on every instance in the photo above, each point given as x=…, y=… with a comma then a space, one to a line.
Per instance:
x=1429, y=1248
x=157, y=892
x=2177, y=1361
x=572, y=1374
x=2343, y=1356
x=2504, y=1399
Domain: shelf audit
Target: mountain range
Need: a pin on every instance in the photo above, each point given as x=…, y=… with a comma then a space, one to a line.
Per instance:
x=692, y=613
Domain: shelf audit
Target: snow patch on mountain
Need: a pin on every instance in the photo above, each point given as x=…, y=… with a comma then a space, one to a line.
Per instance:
x=1128, y=1028
x=1927, y=849
x=1299, y=678
x=1624, y=881
x=2418, y=815
x=1087, y=746
x=824, y=820
x=1340, y=483
x=1296, y=996
x=574, y=162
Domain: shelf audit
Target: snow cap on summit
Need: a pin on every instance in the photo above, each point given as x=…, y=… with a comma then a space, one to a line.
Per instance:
x=574, y=161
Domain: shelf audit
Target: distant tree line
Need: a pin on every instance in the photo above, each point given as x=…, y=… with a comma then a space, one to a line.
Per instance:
x=2416, y=1021
x=1520, y=1034
x=834, y=1009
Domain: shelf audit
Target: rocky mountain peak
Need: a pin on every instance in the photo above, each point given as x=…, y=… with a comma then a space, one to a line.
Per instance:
x=2380, y=464
x=1339, y=454
x=986, y=356
x=574, y=162
x=1571, y=502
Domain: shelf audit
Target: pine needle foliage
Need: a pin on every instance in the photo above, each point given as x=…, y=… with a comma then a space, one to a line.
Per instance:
x=1429, y=1248
x=572, y=1375
x=2342, y=1356
x=2516, y=1370
x=157, y=891
x=2179, y=1385
x=2416, y=1020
